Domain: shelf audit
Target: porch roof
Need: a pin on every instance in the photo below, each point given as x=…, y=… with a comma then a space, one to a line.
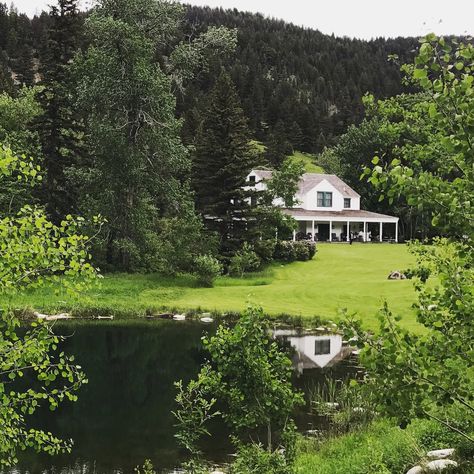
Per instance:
x=345, y=215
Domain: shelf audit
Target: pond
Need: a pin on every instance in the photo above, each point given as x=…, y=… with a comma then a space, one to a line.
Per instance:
x=124, y=414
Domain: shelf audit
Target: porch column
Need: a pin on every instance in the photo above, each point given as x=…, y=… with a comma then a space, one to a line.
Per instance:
x=380, y=231
x=396, y=231
x=348, y=233
x=312, y=230
x=294, y=235
x=365, y=231
x=330, y=231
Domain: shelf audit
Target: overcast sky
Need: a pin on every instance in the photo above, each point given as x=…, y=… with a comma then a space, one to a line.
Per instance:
x=354, y=18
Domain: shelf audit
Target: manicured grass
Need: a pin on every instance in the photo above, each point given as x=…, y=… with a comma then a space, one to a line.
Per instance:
x=339, y=276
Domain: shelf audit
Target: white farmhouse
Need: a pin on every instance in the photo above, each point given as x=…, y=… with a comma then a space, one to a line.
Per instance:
x=328, y=209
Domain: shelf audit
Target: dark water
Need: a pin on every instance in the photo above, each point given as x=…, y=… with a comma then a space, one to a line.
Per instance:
x=124, y=415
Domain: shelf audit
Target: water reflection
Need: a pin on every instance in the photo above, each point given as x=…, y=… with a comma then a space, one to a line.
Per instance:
x=314, y=349
x=124, y=415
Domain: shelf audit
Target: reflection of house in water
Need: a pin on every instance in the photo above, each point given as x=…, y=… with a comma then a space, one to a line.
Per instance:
x=315, y=350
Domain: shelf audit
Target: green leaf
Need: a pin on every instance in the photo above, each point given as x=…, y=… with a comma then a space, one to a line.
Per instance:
x=420, y=73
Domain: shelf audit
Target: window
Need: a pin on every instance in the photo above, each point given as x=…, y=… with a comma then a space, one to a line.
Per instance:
x=322, y=346
x=252, y=179
x=324, y=199
x=347, y=203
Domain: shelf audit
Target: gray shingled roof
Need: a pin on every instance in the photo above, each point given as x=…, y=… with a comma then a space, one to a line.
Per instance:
x=263, y=174
x=349, y=213
x=310, y=180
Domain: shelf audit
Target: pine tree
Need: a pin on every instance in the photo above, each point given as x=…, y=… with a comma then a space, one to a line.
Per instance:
x=58, y=127
x=278, y=146
x=6, y=82
x=221, y=162
x=295, y=136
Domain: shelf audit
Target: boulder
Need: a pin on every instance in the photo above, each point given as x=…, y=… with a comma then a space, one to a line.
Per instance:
x=437, y=465
x=397, y=275
x=206, y=320
x=440, y=453
x=52, y=317
x=440, y=465
x=415, y=470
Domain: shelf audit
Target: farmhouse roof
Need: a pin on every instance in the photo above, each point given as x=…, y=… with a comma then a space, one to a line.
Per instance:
x=310, y=180
x=349, y=213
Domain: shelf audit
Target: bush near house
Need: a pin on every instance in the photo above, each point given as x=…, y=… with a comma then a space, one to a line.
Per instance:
x=265, y=249
x=288, y=251
x=245, y=260
x=207, y=268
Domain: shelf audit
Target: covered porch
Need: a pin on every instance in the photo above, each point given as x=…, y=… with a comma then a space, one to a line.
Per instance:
x=344, y=226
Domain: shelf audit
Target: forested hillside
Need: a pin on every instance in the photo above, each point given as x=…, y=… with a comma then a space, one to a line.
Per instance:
x=298, y=87
x=299, y=83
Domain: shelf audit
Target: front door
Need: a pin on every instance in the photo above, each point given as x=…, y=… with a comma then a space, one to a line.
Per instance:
x=323, y=232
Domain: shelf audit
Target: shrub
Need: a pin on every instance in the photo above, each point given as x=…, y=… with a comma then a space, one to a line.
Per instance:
x=265, y=249
x=245, y=260
x=301, y=250
x=253, y=458
x=285, y=251
x=288, y=251
x=207, y=268
x=147, y=468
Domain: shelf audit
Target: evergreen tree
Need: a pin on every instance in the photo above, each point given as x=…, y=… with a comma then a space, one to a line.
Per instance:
x=278, y=146
x=221, y=162
x=59, y=125
x=295, y=136
x=6, y=82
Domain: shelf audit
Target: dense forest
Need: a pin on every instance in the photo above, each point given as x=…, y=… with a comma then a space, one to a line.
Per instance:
x=299, y=83
x=295, y=84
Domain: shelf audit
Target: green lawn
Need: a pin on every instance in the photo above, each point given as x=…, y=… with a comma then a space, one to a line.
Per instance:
x=340, y=276
x=308, y=160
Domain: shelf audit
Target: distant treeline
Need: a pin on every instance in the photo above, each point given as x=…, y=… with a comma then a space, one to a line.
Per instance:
x=296, y=81
x=296, y=84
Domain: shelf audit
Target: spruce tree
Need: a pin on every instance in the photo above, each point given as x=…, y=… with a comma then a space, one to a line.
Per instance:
x=278, y=145
x=59, y=127
x=221, y=162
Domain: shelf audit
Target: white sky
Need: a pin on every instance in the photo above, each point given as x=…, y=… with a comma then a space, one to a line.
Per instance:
x=354, y=18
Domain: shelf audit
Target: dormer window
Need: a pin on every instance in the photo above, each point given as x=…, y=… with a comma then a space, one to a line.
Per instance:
x=347, y=203
x=324, y=199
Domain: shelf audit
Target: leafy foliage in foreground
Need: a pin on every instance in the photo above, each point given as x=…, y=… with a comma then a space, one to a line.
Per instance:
x=250, y=379
x=425, y=375
x=33, y=372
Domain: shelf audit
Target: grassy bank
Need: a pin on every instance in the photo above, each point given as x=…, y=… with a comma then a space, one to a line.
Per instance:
x=340, y=276
x=379, y=448
x=308, y=160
